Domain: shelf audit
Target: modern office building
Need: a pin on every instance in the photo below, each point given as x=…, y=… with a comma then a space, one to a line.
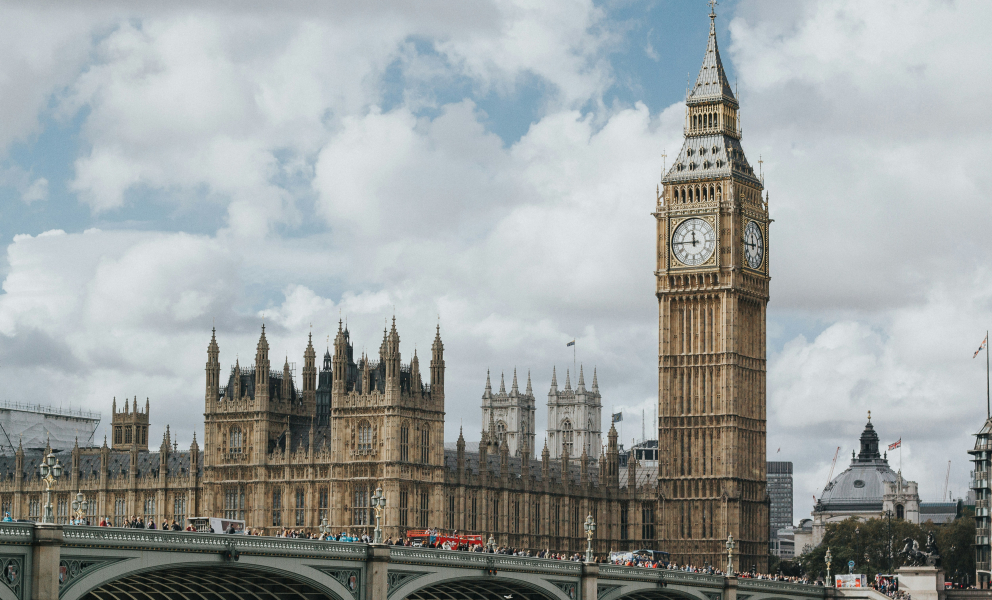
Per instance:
x=980, y=455
x=780, y=495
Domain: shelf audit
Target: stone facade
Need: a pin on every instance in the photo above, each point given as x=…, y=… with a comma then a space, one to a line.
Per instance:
x=510, y=415
x=265, y=459
x=575, y=417
x=712, y=289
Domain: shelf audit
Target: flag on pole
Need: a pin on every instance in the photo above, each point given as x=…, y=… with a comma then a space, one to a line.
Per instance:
x=982, y=346
x=572, y=343
x=897, y=444
x=617, y=417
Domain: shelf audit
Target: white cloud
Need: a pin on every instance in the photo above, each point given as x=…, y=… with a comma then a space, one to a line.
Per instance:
x=38, y=190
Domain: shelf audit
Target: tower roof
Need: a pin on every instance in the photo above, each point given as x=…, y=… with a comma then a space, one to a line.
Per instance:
x=711, y=84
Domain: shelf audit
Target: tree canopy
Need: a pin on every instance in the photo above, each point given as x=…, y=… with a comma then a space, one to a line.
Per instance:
x=867, y=544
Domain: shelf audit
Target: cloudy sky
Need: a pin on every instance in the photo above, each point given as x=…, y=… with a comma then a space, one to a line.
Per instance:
x=492, y=164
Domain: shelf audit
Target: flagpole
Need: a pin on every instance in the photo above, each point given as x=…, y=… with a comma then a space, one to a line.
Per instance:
x=987, y=413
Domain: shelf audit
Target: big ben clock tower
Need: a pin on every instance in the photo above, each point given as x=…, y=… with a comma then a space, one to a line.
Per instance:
x=712, y=288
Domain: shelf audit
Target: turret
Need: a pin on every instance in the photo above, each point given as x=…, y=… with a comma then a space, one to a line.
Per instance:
x=213, y=372
x=287, y=381
x=415, y=384
x=262, y=372
x=461, y=456
x=613, y=459
x=392, y=360
x=310, y=377
x=340, y=362
x=514, y=389
x=437, y=368
x=545, y=462
x=582, y=382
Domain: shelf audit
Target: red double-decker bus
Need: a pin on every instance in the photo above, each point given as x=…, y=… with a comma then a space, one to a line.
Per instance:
x=423, y=537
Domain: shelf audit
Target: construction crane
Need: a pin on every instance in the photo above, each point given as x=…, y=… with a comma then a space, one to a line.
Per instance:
x=946, y=479
x=830, y=477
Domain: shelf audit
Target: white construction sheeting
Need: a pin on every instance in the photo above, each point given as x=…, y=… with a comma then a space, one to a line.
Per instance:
x=33, y=426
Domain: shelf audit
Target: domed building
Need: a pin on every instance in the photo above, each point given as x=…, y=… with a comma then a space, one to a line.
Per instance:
x=867, y=489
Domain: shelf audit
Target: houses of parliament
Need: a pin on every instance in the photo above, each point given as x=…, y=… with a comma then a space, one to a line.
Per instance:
x=285, y=454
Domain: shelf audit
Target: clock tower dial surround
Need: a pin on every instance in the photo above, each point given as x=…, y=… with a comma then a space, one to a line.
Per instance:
x=711, y=335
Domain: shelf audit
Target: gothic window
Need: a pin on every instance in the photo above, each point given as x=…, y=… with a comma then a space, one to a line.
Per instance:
x=235, y=440
x=575, y=521
x=128, y=433
x=405, y=442
x=567, y=436
x=556, y=517
x=515, y=517
x=900, y=512
x=120, y=510
x=404, y=508
x=5, y=504
x=647, y=521
x=473, y=515
x=118, y=435
x=149, y=508
x=364, y=437
x=500, y=432
x=179, y=510
x=425, y=509
x=624, y=520
x=34, y=508
x=360, y=509
x=450, y=516
x=234, y=503
x=535, y=517
x=62, y=510
x=425, y=445
x=322, y=505
x=277, y=507
x=300, y=507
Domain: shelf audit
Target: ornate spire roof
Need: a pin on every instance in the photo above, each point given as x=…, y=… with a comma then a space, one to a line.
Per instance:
x=514, y=388
x=711, y=84
x=582, y=381
x=568, y=383
x=554, y=379
x=502, y=384
x=530, y=390
x=595, y=384
x=489, y=387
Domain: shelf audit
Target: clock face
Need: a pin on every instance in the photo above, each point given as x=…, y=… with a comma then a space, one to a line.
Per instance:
x=754, y=245
x=693, y=241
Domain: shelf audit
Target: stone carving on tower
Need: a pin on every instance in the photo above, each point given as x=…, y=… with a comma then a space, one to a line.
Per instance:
x=712, y=289
x=575, y=417
x=512, y=415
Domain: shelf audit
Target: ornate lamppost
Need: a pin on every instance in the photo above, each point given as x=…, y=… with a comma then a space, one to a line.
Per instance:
x=51, y=470
x=590, y=527
x=888, y=518
x=324, y=528
x=730, y=555
x=79, y=506
x=378, y=503
x=828, y=557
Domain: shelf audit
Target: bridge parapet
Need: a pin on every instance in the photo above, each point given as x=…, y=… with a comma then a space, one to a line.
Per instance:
x=175, y=541
x=783, y=588
x=16, y=533
x=481, y=560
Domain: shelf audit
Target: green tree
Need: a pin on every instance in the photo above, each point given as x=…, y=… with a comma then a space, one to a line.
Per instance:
x=864, y=542
x=955, y=540
x=867, y=544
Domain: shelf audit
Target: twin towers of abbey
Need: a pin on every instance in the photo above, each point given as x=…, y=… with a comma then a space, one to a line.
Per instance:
x=278, y=454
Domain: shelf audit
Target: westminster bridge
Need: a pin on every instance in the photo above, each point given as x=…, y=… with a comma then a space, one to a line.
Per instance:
x=45, y=562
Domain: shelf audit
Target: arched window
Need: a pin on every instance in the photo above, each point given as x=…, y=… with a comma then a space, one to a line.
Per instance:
x=500, y=432
x=425, y=445
x=300, y=507
x=705, y=194
x=405, y=442
x=364, y=437
x=567, y=436
x=900, y=512
x=235, y=441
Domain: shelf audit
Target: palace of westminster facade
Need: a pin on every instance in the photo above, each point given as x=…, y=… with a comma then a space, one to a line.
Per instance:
x=281, y=455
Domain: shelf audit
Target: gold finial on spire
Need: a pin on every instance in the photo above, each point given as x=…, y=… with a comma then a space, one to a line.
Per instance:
x=712, y=4
x=869, y=416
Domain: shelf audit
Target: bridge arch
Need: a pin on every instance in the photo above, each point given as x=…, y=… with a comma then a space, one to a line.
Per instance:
x=199, y=581
x=519, y=586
